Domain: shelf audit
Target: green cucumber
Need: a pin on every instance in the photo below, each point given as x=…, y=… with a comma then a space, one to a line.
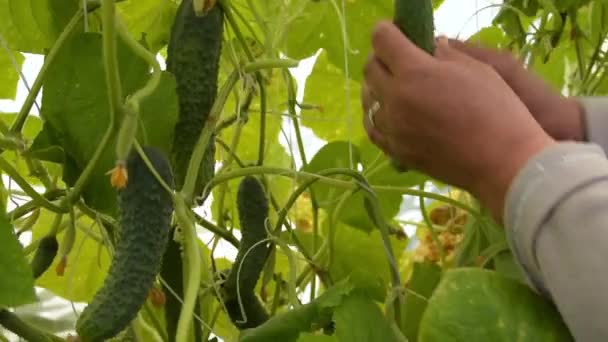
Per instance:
x=415, y=19
x=252, y=206
x=145, y=220
x=193, y=57
x=45, y=254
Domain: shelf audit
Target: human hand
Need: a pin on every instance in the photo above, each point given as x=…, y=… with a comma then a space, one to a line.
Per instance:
x=449, y=116
x=560, y=117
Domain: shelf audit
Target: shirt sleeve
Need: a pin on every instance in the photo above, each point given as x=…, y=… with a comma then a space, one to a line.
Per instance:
x=556, y=218
x=596, y=119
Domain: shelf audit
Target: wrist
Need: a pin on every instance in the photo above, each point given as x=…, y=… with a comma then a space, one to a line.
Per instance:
x=495, y=179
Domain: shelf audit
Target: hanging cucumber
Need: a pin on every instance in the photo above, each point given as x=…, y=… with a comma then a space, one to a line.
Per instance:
x=252, y=206
x=193, y=58
x=145, y=217
x=45, y=254
x=415, y=19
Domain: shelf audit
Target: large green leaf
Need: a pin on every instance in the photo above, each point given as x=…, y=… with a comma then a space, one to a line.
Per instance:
x=359, y=319
x=87, y=263
x=10, y=65
x=33, y=25
x=17, y=282
x=338, y=116
x=308, y=337
x=75, y=108
x=423, y=282
x=320, y=25
x=360, y=257
x=150, y=18
x=480, y=305
x=338, y=154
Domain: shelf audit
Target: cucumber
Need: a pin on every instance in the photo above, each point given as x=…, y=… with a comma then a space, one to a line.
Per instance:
x=144, y=223
x=193, y=57
x=415, y=19
x=252, y=206
x=45, y=254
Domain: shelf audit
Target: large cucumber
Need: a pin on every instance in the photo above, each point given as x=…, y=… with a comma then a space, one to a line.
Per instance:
x=145, y=218
x=415, y=19
x=193, y=58
x=252, y=205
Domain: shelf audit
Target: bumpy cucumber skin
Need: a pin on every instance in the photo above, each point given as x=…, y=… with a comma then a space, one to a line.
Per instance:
x=145, y=221
x=252, y=206
x=193, y=57
x=45, y=254
x=415, y=19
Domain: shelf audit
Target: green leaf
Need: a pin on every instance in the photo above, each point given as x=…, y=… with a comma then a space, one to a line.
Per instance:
x=32, y=127
x=76, y=111
x=308, y=337
x=318, y=25
x=490, y=37
x=338, y=116
x=150, y=18
x=359, y=319
x=33, y=25
x=10, y=65
x=287, y=326
x=360, y=257
x=17, y=281
x=87, y=263
x=337, y=154
x=553, y=70
x=479, y=305
x=423, y=282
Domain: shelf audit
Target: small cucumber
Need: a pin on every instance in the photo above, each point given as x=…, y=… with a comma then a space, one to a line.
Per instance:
x=45, y=254
x=252, y=206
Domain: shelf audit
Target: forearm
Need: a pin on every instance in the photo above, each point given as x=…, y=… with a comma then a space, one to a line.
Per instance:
x=556, y=216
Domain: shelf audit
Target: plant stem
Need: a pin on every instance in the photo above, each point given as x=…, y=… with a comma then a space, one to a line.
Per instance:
x=224, y=234
x=302, y=175
x=262, y=143
x=22, y=329
x=203, y=141
x=193, y=274
x=29, y=101
x=114, y=91
x=25, y=186
x=147, y=56
x=431, y=227
x=33, y=204
x=262, y=64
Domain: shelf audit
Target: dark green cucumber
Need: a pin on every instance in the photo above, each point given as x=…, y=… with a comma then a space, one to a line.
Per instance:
x=145, y=220
x=193, y=58
x=415, y=19
x=45, y=254
x=252, y=205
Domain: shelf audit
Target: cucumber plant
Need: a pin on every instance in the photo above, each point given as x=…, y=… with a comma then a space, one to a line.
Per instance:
x=211, y=158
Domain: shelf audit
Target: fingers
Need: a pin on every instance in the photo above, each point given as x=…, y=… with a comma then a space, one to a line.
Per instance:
x=377, y=76
x=373, y=132
x=479, y=53
x=394, y=50
x=446, y=52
